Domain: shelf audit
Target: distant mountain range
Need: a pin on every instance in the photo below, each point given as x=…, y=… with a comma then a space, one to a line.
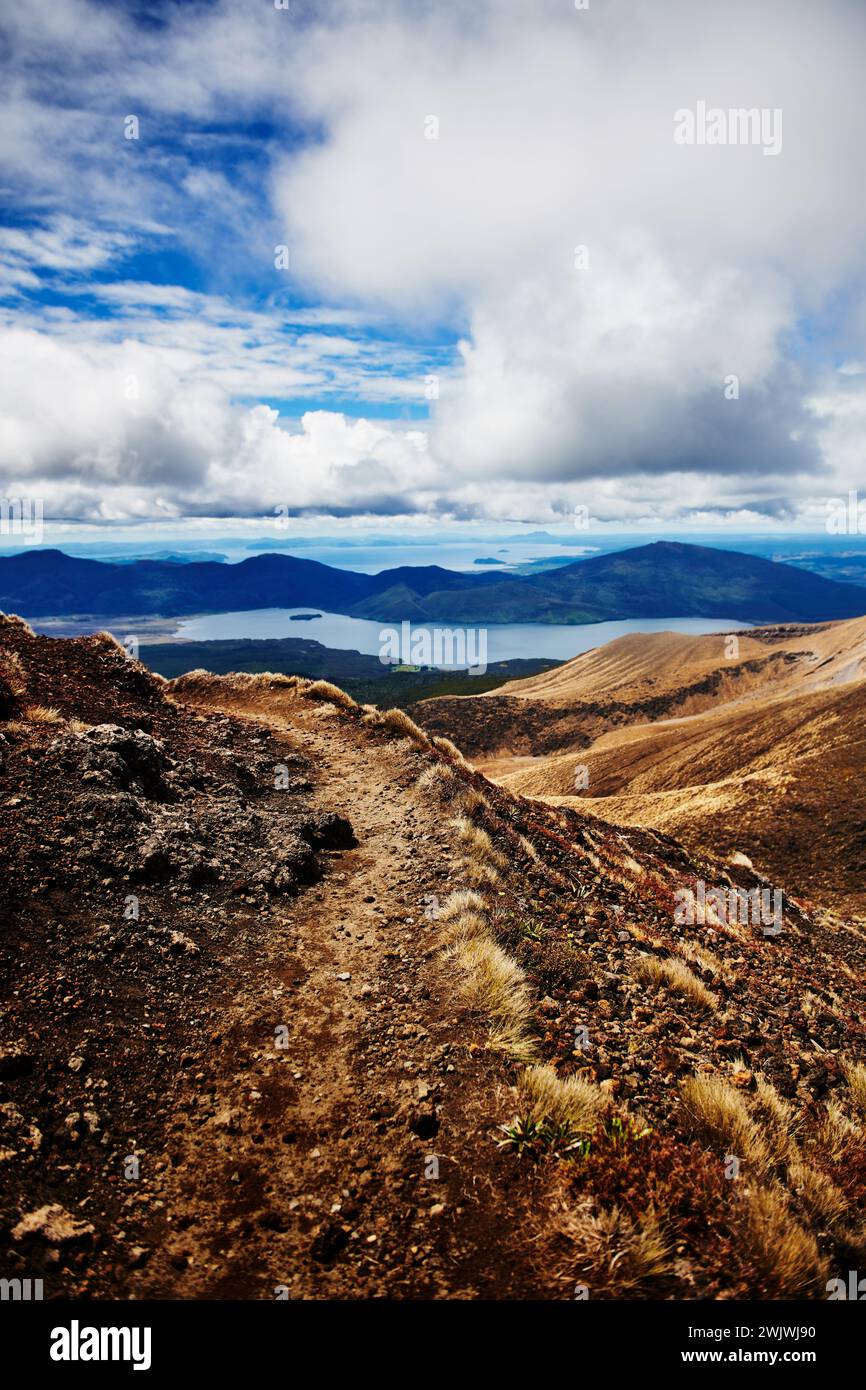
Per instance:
x=665, y=579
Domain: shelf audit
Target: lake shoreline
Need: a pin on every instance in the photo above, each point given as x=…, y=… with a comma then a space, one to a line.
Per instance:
x=338, y=632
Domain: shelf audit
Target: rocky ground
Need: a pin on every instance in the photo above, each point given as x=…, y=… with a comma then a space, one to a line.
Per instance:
x=253, y=1046
x=260, y=1081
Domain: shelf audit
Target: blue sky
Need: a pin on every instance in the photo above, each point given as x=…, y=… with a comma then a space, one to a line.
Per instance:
x=433, y=357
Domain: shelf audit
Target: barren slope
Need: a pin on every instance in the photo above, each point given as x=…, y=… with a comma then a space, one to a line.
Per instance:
x=759, y=752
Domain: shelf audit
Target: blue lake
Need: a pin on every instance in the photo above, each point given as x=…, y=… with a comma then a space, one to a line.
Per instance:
x=505, y=641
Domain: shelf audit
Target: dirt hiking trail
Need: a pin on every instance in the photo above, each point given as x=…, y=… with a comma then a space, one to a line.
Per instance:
x=355, y=1159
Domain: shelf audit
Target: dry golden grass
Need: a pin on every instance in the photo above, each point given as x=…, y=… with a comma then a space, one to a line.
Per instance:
x=715, y=1113
x=675, y=975
x=496, y=986
x=777, y=1122
x=836, y=1132
x=481, y=860
x=492, y=982
x=398, y=721
x=469, y=801
x=564, y=1100
x=12, y=620
x=460, y=901
x=480, y=875
x=13, y=672
x=439, y=778
x=191, y=679
x=104, y=638
x=820, y=1197
x=42, y=714
x=278, y=678
x=615, y=1255
x=702, y=956
x=783, y=1252
x=477, y=844
x=855, y=1075
x=237, y=683
x=461, y=917
x=451, y=751
x=324, y=690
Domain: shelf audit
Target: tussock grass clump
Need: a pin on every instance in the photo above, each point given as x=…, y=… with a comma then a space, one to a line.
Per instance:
x=481, y=860
x=450, y=750
x=496, y=986
x=12, y=620
x=778, y=1121
x=191, y=679
x=477, y=844
x=676, y=976
x=471, y=800
x=235, y=683
x=702, y=956
x=855, y=1075
x=398, y=722
x=439, y=778
x=480, y=875
x=278, y=679
x=42, y=714
x=104, y=638
x=493, y=983
x=568, y=1100
x=819, y=1195
x=615, y=1254
x=324, y=690
x=462, y=899
x=714, y=1112
x=462, y=917
x=12, y=672
x=837, y=1133
x=786, y=1256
